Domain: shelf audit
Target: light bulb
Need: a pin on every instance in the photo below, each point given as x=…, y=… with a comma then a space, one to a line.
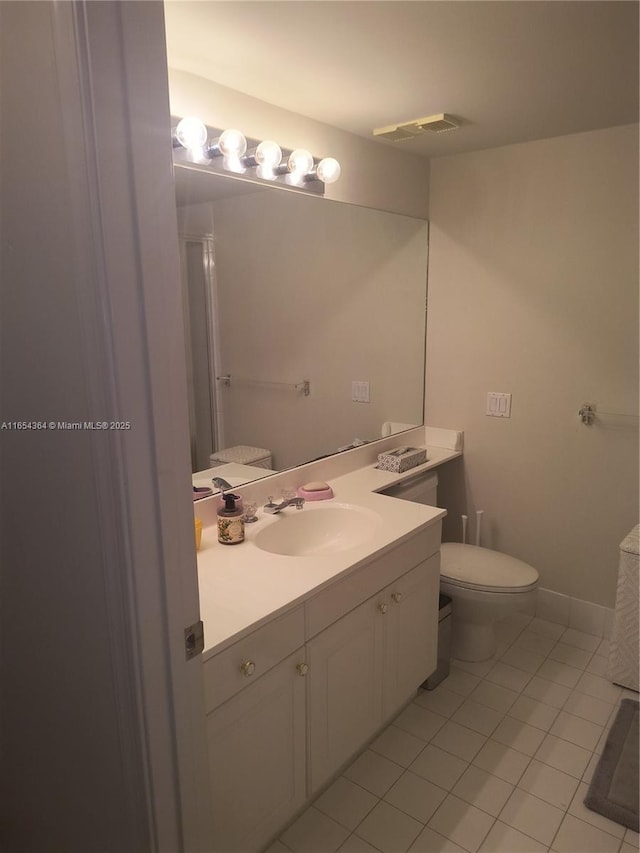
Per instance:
x=191, y=133
x=328, y=170
x=232, y=143
x=300, y=161
x=268, y=154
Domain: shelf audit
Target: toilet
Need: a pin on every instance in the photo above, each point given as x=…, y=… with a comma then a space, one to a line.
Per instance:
x=242, y=454
x=484, y=585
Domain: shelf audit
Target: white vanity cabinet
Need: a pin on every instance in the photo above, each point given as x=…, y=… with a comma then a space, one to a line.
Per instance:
x=345, y=689
x=257, y=738
x=411, y=632
x=293, y=701
x=367, y=663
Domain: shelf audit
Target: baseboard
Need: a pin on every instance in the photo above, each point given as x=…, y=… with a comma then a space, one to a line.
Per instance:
x=574, y=613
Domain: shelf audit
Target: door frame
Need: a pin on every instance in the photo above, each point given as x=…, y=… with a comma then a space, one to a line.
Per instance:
x=214, y=349
x=112, y=70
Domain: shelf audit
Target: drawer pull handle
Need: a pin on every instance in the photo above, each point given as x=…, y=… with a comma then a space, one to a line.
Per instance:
x=303, y=668
x=383, y=608
x=248, y=668
x=397, y=597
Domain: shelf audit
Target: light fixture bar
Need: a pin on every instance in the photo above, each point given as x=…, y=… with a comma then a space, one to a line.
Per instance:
x=229, y=152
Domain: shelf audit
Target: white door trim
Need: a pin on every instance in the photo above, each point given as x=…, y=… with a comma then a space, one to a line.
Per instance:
x=214, y=351
x=119, y=150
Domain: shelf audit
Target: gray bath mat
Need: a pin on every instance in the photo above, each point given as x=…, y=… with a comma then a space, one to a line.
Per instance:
x=614, y=788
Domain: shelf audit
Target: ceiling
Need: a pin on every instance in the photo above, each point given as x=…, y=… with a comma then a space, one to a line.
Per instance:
x=510, y=70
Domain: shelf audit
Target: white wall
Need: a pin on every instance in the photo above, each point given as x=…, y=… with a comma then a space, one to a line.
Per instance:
x=373, y=174
x=331, y=293
x=533, y=290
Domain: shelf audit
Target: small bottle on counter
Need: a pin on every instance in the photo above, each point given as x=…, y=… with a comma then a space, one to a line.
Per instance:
x=230, y=522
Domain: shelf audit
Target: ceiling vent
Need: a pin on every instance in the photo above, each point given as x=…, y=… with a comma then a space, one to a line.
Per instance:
x=410, y=129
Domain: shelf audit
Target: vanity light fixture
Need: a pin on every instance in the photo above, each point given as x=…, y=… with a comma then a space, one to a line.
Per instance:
x=230, y=143
x=266, y=157
x=298, y=167
x=226, y=151
x=190, y=133
x=302, y=166
x=300, y=163
x=327, y=171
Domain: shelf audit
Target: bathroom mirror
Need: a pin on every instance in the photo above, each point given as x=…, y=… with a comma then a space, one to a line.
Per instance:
x=305, y=321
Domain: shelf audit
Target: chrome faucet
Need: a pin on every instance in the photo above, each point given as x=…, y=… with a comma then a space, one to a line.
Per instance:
x=272, y=508
x=221, y=484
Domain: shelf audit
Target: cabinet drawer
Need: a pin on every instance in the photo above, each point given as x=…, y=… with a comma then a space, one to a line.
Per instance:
x=329, y=605
x=245, y=661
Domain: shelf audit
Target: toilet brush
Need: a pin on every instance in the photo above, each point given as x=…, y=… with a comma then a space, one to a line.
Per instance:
x=464, y=529
x=479, y=514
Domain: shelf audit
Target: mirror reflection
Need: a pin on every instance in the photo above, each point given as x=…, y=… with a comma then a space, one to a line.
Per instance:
x=305, y=324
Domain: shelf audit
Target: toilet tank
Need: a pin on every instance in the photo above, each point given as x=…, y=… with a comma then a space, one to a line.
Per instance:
x=422, y=489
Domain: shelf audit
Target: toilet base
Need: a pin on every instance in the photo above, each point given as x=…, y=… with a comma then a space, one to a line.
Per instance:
x=474, y=617
x=473, y=641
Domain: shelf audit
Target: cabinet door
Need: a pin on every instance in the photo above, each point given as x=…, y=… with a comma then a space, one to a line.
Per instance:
x=345, y=688
x=412, y=632
x=256, y=745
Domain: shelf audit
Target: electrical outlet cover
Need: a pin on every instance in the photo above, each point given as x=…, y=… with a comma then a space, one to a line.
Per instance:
x=498, y=404
x=360, y=391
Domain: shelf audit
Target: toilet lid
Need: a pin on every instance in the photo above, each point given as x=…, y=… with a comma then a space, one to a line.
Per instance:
x=481, y=568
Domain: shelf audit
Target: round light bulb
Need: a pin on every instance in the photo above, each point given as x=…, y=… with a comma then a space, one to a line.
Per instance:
x=191, y=133
x=268, y=154
x=300, y=161
x=232, y=143
x=328, y=170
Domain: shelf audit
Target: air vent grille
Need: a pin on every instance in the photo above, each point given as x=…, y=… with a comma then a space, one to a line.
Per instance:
x=410, y=129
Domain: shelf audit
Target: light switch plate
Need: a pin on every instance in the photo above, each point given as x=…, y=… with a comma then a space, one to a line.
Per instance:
x=498, y=404
x=360, y=391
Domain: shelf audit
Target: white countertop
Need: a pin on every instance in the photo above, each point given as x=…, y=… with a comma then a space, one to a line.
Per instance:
x=242, y=586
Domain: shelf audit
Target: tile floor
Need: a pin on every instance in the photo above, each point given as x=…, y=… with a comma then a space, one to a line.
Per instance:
x=496, y=759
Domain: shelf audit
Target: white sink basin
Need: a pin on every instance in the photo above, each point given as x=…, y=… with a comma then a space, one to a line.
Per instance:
x=317, y=530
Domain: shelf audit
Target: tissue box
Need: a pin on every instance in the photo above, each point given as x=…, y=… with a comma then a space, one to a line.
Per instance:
x=402, y=459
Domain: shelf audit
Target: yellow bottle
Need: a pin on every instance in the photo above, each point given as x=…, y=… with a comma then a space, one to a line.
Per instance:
x=198, y=526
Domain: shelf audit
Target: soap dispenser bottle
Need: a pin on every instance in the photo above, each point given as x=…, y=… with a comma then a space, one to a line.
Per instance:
x=230, y=522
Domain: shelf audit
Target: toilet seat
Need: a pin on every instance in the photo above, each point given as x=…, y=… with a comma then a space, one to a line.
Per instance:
x=474, y=568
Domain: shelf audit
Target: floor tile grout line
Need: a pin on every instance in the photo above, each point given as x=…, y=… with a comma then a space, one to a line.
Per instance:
x=363, y=839
x=510, y=746
x=378, y=799
x=589, y=825
x=555, y=683
x=581, y=670
x=279, y=838
x=565, y=812
x=486, y=835
x=444, y=790
x=504, y=714
x=392, y=805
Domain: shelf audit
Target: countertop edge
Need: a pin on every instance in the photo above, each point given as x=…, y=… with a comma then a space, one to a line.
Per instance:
x=237, y=579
